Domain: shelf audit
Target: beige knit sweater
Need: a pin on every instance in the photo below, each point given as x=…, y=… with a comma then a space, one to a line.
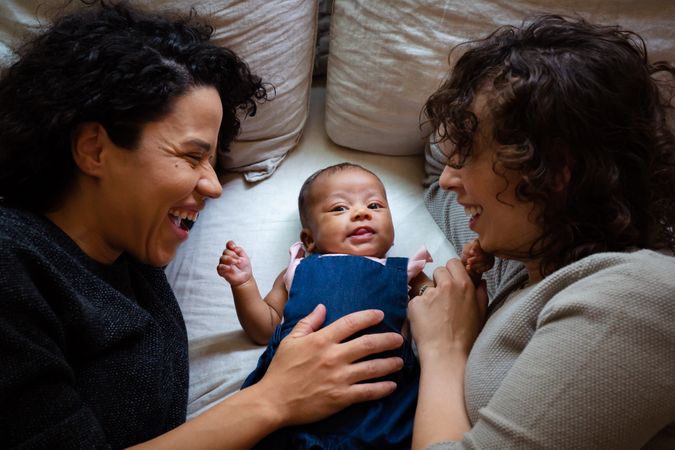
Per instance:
x=585, y=359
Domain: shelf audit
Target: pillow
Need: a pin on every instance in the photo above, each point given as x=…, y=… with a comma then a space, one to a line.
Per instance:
x=277, y=39
x=386, y=58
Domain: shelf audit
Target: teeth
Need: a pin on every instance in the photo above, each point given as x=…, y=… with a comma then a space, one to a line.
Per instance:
x=183, y=214
x=473, y=210
x=176, y=220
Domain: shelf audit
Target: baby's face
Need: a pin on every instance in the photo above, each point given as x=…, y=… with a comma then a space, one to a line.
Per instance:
x=348, y=213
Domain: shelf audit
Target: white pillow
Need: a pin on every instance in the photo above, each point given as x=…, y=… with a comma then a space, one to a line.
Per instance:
x=386, y=58
x=277, y=40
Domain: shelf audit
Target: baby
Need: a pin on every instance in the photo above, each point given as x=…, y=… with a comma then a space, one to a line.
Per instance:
x=341, y=262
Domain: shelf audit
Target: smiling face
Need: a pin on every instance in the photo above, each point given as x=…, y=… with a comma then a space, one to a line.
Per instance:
x=506, y=226
x=347, y=212
x=150, y=195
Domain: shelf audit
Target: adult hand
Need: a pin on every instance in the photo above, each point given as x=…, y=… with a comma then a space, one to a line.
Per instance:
x=314, y=374
x=447, y=318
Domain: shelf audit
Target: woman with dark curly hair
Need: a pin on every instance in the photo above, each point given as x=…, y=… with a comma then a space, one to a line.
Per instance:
x=109, y=125
x=554, y=139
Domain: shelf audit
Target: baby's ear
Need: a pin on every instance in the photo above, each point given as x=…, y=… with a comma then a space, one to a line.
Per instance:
x=307, y=240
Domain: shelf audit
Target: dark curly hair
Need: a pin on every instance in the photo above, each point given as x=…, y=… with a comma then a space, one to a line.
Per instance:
x=564, y=93
x=115, y=65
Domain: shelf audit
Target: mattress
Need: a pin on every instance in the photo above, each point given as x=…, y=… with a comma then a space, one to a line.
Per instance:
x=263, y=218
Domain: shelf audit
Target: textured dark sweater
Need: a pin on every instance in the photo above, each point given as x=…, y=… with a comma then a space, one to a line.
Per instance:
x=91, y=356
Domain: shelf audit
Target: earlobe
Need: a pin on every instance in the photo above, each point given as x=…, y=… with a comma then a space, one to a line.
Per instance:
x=562, y=178
x=307, y=240
x=86, y=147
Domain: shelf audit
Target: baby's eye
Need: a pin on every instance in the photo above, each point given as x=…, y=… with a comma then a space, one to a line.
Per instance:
x=374, y=206
x=339, y=209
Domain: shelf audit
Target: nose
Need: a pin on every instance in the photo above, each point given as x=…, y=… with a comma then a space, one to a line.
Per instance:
x=208, y=185
x=362, y=213
x=450, y=179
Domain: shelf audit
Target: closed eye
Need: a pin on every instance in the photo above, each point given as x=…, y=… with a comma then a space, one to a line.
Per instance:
x=456, y=163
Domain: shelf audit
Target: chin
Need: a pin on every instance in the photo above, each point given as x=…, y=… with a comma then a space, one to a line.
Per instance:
x=161, y=260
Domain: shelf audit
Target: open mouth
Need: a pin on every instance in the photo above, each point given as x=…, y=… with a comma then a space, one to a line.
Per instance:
x=184, y=220
x=473, y=211
x=361, y=231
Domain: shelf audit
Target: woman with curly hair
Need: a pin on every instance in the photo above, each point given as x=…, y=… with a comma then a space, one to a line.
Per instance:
x=109, y=126
x=554, y=139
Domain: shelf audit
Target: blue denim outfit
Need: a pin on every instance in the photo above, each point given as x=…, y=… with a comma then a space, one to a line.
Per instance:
x=346, y=284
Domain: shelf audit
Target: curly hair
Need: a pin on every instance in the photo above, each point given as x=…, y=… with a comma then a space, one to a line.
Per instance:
x=307, y=185
x=564, y=93
x=111, y=64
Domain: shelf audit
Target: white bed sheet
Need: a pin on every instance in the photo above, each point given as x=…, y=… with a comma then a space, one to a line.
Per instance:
x=263, y=219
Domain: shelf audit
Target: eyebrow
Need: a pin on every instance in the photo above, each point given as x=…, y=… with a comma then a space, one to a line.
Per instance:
x=369, y=193
x=205, y=146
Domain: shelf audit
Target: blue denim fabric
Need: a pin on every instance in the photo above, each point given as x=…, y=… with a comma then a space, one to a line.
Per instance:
x=346, y=284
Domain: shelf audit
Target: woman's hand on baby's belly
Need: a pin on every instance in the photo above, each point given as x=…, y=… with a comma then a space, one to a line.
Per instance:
x=315, y=374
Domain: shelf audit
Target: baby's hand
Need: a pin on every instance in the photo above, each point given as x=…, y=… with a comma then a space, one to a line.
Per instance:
x=234, y=265
x=476, y=260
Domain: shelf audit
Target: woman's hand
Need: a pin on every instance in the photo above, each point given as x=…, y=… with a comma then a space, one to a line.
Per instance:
x=448, y=317
x=314, y=374
x=445, y=321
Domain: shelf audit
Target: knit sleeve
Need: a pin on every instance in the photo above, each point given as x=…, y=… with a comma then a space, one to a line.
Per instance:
x=40, y=405
x=597, y=372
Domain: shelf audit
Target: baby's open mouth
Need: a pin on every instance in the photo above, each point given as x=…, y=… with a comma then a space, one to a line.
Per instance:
x=362, y=231
x=183, y=219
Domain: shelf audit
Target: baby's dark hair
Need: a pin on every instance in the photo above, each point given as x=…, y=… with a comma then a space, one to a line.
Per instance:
x=566, y=94
x=115, y=65
x=306, y=186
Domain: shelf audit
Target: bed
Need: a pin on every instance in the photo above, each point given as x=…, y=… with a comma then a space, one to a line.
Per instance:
x=385, y=59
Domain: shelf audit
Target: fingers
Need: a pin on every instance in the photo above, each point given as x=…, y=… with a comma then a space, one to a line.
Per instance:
x=374, y=368
x=346, y=326
x=234, y=250
x=228, y=260
x=310, y=323
x=456, y=270
x=233, y=255
x=440, y=275
x=370, y=344
x=467, y=251
x=370, y=391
